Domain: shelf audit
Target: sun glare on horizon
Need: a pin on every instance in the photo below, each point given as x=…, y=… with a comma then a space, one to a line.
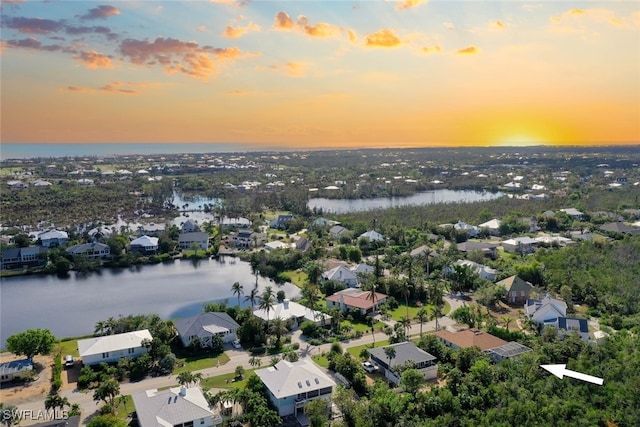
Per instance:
x=521, y=141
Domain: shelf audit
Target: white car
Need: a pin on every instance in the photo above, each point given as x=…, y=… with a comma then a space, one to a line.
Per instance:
x=369, y=367
x=236, y=344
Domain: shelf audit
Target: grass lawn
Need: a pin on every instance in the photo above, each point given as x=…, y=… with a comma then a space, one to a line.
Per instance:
x=298, y=278
x=362, y=327
x=68, y=347
x=125, y=407
x=195, y=363
x=321, y=360
x=401, y=311
x=225, y=380
x=355, y=351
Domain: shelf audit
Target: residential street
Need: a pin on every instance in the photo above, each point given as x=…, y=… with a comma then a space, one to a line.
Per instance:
x=237, y=357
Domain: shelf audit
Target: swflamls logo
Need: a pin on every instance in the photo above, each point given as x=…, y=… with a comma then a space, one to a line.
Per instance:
x=15, y=415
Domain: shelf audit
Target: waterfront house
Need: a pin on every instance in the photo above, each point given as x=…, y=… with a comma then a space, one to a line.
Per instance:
x=90, y=250
x=290, y=385
x=243, y=239
x=189, y=226
x=23, y=257
x=144, y=245
x=341, y=274
x=204, y=326
x=405, y=352
x=197, y=238
x=176, y=406
x=276, y=244
x=151, y=229
x=16, y=370
x=112, y=348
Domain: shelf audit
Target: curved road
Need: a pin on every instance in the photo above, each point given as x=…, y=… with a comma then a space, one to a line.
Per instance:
x=237, y=357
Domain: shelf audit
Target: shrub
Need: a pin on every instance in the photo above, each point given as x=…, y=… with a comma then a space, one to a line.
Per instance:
x=56, y=373
x=295, y=345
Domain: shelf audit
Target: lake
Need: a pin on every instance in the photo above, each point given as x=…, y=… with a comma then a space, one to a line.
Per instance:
x=340, y=206
x=72, y=306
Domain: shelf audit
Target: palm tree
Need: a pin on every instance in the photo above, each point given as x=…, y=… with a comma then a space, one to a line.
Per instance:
x=373, y=296
x=405, y=290
x=266, y=302
x=54, y=401
x=406, y=324
x=506, y=320
x=312, y=297
x=278, y=328
x=237, y=290
x=313, y=271
x=101, y=327
x=421, y=315
x=437, y=300
x=255, y=362
x=390, y=352
x=252, y=297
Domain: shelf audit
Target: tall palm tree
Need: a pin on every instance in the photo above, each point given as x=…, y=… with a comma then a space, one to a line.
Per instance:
x=278, y=328
x=373, y=296
x=312, y=297
x=405, y=290
x=390, y=352
x=421, y=315
x=406, y=324
x=266, y=302
x=436, y=297
x=252, y=297
x=237, y=290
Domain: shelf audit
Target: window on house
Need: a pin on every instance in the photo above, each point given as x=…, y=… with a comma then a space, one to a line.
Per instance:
x=105, y=355
x=131, y=351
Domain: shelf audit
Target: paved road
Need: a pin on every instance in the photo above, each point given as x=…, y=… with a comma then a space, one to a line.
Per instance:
x=237, y=357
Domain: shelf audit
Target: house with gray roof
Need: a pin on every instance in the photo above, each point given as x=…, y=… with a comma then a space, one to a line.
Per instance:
x=199, y=239
x=568, y=325
x=90, y=250
x=205, y=326
x=405, y=352
x=112, y=348
x=372, y=235
x=177, y=406
x=341, y=274
x=520, y=245
x=518, y=290
x=619, y=227
x=145, y=245
x=53, y=238
x=290, y=385
x=488, y=249
x=16, y=370
x=23, y=257
x=337, y=231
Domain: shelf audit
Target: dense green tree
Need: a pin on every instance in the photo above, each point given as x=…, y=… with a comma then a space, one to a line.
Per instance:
x=412, y=380
x=31, y=342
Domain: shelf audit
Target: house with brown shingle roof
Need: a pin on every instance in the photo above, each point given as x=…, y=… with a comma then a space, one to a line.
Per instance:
x=518, y=290
x=356, y=299
x=497, y=349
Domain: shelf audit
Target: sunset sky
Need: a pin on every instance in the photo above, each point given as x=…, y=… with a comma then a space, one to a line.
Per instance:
x=321, y=74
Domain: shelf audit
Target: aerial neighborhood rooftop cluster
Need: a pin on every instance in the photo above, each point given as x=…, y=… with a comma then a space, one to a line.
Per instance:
x=422, y=303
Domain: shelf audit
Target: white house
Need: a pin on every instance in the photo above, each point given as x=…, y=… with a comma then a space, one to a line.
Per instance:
x=144, y=245
x=373, y=236
x=53, y=238
x=177, y=406
x=291, y=385
x=151, y=229
x=199, y=238
x=91, y=250
x=204, y=326
x=111, y=348
x=471, y=230
x=16, y=370
x=341, y=274
x=567, y=325
x=405, y=352
x=573, y=213
x=493, y=225
x=276, y=244
x=482, y=271
x=292, y=310
x=522, y=245
x=545, y=309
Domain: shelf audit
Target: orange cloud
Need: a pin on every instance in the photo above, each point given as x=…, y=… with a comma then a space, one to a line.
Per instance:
x=408, y=4
x=321, y=29
x=383, y=38
x=117, y=87
x=593, y=15
x=469, y=50
x=101, y=12
x=79, y=89
x=93, y=59
x=235, y=32
x=283, y=21
x=499, y=25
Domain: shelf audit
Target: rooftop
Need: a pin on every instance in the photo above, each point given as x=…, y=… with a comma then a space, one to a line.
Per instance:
x=471, y=338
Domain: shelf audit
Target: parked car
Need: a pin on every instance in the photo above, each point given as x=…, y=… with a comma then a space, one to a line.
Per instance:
x=236, y=344
x=369, y=367
x=68, y=361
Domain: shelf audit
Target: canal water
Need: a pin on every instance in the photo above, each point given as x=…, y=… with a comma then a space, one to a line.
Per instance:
x=72, y=306
x=340, y=206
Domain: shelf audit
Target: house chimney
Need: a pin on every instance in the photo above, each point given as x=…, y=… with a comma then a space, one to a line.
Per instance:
x=285, y=302
x=183, y=391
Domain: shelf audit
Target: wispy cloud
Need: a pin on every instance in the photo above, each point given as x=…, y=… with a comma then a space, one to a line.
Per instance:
x=117, y=87
x=498, y=25
x=31, y=43
x=449, y=26
x=469, y=50
x=431, y=49
x=101, y=12
x=282, y=21
x=383, y=38
x=576, y=17
x=291, y=69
